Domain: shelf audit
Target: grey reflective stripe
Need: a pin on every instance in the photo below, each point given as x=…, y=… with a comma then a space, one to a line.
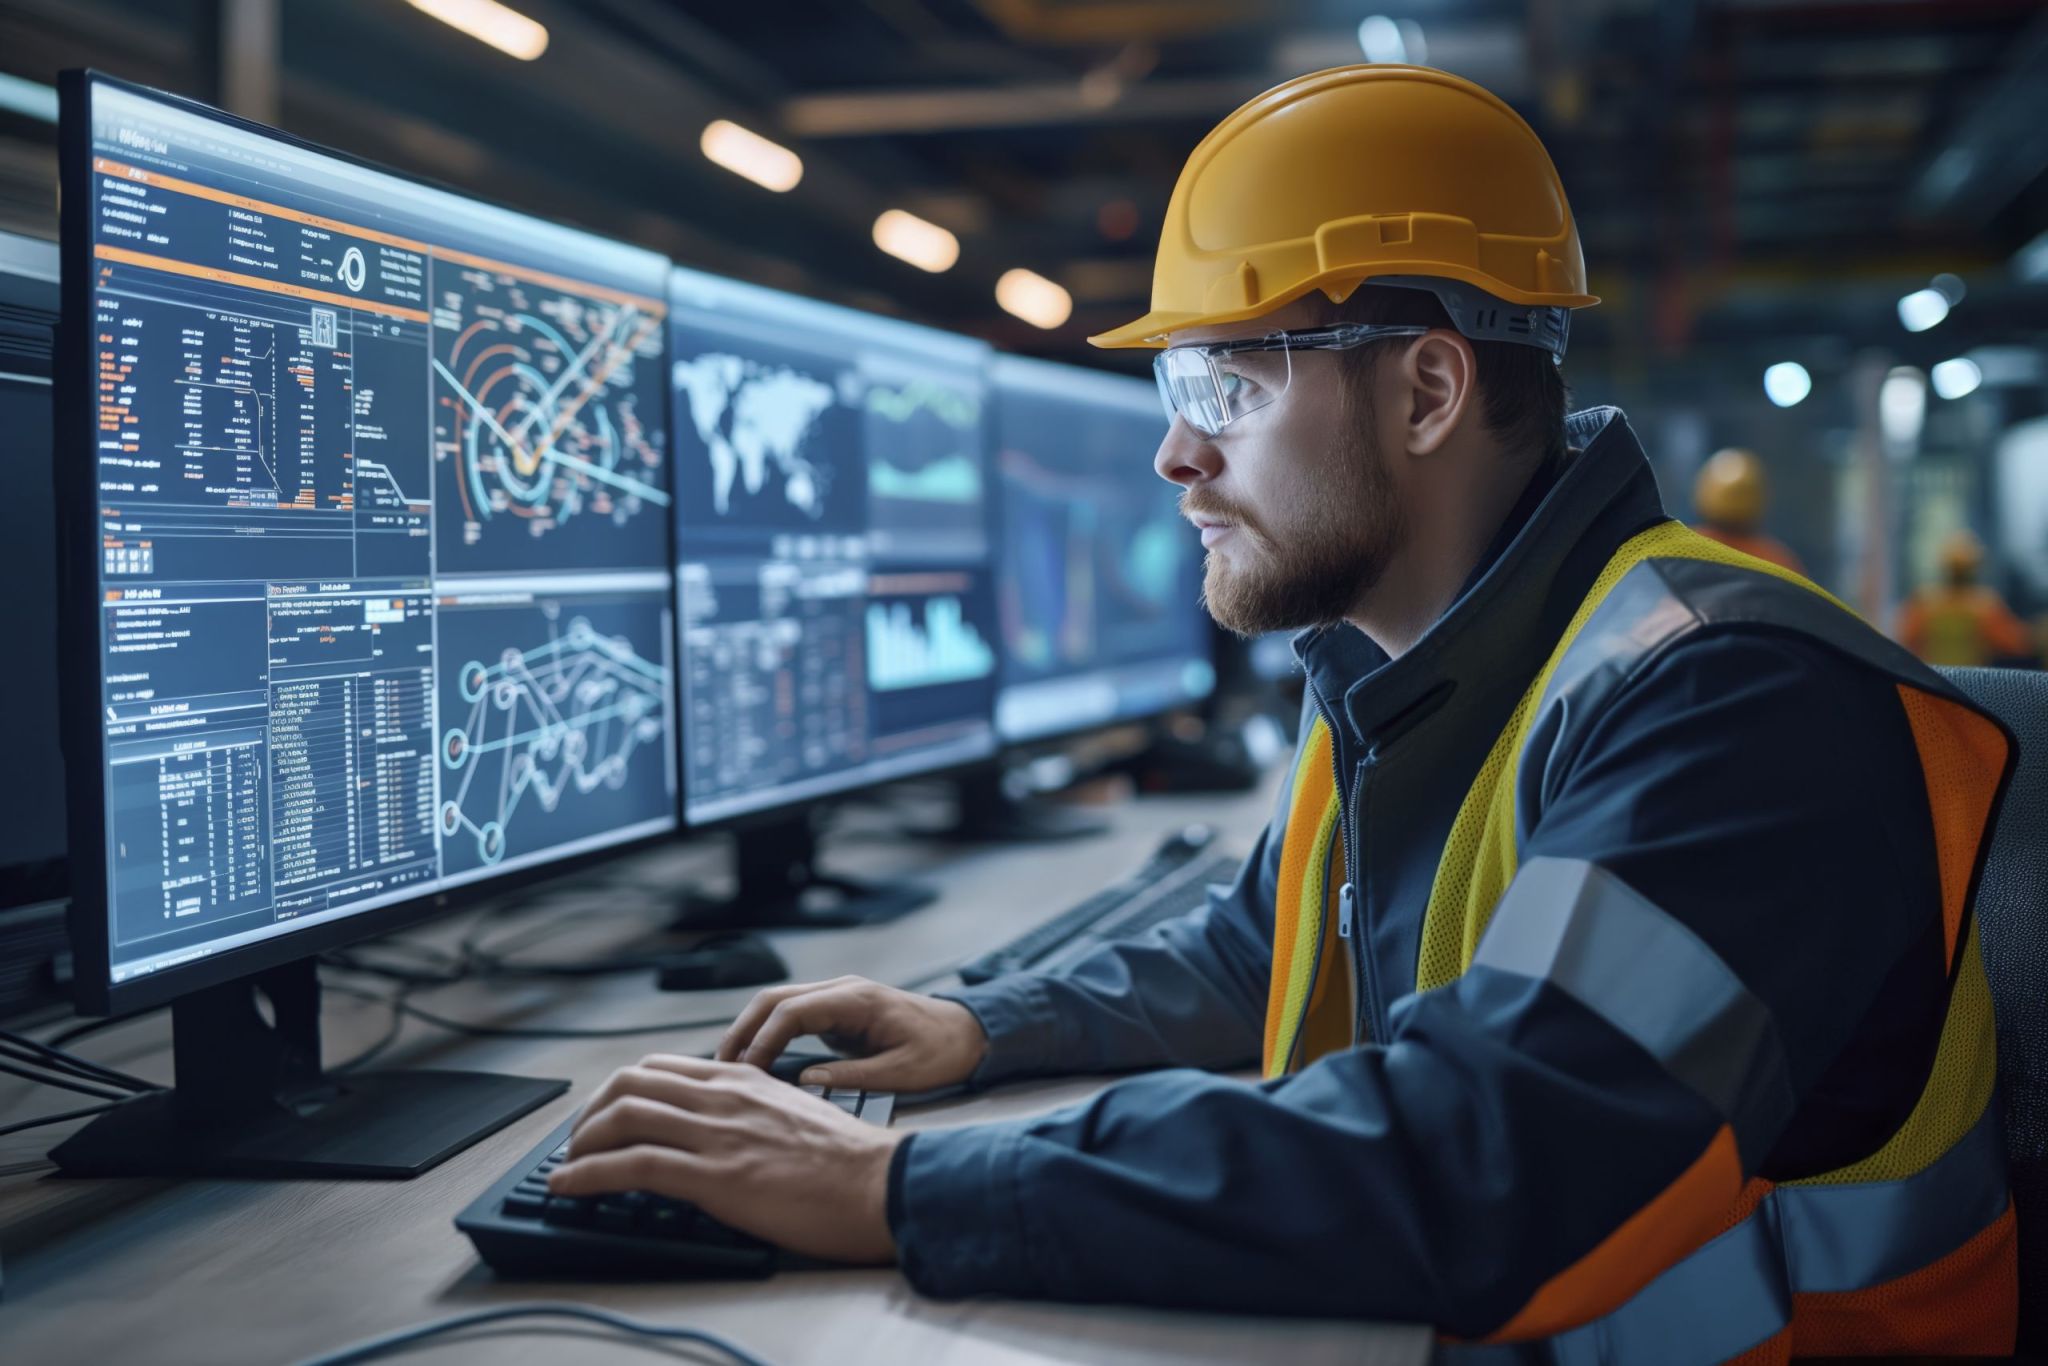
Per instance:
x=1735, y=1291
x=1719, y=1302
x=1855, y=1236
x=1583, y=930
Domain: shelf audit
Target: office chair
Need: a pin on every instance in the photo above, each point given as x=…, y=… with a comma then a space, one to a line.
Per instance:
x=2012, y=915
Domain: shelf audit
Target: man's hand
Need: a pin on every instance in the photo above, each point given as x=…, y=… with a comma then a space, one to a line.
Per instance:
x=748, y=1150
x=903, y=1041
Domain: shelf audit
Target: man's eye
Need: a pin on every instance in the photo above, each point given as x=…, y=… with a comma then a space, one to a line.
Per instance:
x=1239, y=389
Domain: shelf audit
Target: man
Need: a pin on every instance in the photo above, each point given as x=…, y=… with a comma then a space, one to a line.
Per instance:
x=1609, y=957
x=1960, y=621
x=1730, y=495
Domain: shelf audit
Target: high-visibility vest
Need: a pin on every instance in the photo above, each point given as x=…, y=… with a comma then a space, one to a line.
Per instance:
x=1910, y=1250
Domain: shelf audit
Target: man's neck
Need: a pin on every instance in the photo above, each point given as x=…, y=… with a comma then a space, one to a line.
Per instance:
x=1439, y=557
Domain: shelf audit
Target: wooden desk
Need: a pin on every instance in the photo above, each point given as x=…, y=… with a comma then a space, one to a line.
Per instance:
x=219, y=1273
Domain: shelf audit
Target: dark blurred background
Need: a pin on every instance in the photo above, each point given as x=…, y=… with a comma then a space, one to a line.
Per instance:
x=1759, y=183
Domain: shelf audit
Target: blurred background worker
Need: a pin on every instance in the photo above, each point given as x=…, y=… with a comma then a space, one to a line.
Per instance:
x=1959, y=621
x=1731, y=495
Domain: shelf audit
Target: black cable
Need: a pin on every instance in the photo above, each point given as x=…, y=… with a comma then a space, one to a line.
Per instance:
x=79, y=1031
x=59, y=1118
x=488, y=1031
x=384, y=1040
x=71, y=1062
x=405, y=975
x=62, y=1082
x=372, y=1348
x=30, y=1059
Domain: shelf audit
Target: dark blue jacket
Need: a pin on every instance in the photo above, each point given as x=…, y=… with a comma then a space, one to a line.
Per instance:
x=1484, y=1136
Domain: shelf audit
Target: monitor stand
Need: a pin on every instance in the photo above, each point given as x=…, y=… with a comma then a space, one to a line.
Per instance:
x=990, y=814
x=252, y=1100
x=778, y=886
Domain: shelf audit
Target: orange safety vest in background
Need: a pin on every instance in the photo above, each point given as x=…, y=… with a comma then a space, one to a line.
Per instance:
x=1966, y=627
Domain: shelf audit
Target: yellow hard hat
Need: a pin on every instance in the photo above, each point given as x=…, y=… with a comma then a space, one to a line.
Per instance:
x=1961, y=555
x=1362, y=172
x=1730, y=491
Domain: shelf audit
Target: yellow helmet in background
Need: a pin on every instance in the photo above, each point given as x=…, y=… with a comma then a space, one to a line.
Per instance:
x=1731, y=490
x=1961, y=556
x=1361, y=172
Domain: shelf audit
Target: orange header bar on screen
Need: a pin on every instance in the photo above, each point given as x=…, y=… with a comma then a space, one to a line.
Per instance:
x=236, y=277
x=109, y=166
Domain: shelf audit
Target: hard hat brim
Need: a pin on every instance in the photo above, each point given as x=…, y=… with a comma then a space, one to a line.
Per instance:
x=1153, y=329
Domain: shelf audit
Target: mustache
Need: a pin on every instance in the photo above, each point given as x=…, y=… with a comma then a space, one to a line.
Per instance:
x=1206, y=503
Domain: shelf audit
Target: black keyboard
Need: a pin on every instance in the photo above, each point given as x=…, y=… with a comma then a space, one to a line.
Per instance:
x=521, y=1230
x=1173, y=882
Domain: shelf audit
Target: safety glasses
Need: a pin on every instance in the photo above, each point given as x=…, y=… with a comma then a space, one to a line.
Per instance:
x=1210, y=387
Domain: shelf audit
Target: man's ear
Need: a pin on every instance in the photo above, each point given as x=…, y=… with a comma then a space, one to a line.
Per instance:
x=1441, y=375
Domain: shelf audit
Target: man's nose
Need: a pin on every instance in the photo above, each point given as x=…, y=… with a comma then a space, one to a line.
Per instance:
x=1186, y=457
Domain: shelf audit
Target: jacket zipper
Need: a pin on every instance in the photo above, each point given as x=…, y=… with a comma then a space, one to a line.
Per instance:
x=1351, y=921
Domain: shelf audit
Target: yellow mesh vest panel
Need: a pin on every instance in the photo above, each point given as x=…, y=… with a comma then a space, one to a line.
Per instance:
x=1958, y=1089
x=1480, y=857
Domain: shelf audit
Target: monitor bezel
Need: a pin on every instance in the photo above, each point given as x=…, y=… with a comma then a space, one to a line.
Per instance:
x=780, y=812
x=1039, y=742
x=80, y=737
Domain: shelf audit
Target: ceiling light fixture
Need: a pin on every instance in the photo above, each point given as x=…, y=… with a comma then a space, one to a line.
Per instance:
x=487, y=21
x=1037, y=300
x=749, y=155
x=925, y=245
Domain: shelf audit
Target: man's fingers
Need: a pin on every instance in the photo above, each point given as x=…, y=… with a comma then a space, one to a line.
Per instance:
x=664, y=1171
x=836, y=1008
x=671, y=1086
x=634, y=1120
x=742, y=1030
x=878, y=1073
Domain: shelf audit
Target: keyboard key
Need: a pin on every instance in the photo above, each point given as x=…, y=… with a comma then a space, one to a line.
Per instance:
x=523, y=1206
x=566, y=1212
x=666, y=1219
x=848, y=1101
x=613, y=1213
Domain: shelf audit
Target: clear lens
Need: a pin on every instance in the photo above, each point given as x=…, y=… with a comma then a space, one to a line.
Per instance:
x=1210, y=387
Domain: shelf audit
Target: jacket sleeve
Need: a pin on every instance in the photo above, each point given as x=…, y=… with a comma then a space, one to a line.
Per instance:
x=1615, y=1039
x=1189, y=993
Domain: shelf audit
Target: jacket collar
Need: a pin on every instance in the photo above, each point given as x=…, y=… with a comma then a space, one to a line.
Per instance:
x=1513, y=610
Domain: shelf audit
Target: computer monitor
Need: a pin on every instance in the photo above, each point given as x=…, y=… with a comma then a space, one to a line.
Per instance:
x=1272, y=656
x=364, y=494
x=834, y=590
x=33, y=878
x=1100, y=585
x=32, y=800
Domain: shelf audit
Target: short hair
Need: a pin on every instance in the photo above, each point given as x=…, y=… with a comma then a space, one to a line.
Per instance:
x=1522, y=393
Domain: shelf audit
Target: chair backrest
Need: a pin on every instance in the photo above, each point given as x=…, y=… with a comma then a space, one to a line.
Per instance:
x=2012, y=918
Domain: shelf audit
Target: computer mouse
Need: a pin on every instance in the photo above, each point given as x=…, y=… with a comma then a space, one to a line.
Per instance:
x=1189, y=839
x=791, y=1065
x=725, y=960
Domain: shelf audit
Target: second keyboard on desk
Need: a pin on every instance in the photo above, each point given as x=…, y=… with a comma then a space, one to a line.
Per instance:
x=1175, y=881
x=521, y=1230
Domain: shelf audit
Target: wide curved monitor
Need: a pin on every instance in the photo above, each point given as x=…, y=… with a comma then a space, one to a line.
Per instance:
x=366, y=500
